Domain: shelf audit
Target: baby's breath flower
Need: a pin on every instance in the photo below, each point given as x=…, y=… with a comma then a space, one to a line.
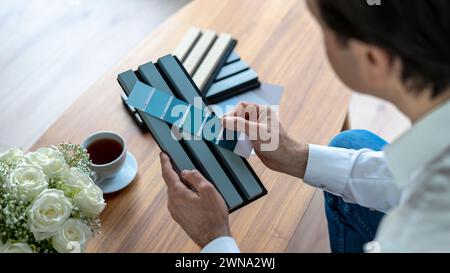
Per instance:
x=75, y=156
x=13, y=218
x=4, y=172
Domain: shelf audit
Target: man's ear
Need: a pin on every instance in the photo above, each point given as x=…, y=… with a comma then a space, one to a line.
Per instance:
x=376, y=64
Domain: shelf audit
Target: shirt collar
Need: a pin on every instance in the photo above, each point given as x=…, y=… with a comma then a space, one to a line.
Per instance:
x=415, y=149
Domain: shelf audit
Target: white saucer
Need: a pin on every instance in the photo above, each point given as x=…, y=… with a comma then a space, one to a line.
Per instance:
x=123, y=178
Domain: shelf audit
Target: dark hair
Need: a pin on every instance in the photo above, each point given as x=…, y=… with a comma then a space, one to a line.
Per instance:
x=415, y=31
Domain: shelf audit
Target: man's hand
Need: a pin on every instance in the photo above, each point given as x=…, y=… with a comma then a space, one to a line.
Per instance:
x=195, y=204
x=261, y=124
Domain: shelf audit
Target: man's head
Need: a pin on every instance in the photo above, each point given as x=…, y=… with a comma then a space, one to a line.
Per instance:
x=397, y=46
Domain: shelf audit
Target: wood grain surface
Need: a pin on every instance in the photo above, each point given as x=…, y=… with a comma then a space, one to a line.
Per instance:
x=281, y=41
x=52, y=51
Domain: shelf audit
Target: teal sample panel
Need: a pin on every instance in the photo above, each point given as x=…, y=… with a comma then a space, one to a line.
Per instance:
x=157, y=105
x=160, y=104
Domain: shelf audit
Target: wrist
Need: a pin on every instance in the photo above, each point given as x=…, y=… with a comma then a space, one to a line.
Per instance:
x=299, y=159
x=214, y=234
x=303, y=153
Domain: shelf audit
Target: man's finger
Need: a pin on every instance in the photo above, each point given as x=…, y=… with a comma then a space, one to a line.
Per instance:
x=249, y=105
x=242, y=125
x=194, y=179
x=243, y=109
x=169, y=175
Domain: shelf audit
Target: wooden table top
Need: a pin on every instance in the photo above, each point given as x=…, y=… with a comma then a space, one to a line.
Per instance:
x=283, y=43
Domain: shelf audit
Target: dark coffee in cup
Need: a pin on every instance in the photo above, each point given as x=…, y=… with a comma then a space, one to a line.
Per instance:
x=107, y=151
x=104, y=151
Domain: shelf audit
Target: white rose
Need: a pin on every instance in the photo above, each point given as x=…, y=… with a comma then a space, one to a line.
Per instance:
x=27, y=181
x=51, y=160
x=10, y=153
x=78, y=180
x=48, y=212
x=13, y=156
x=18, y=247
x=90, y=201
x=72, y=237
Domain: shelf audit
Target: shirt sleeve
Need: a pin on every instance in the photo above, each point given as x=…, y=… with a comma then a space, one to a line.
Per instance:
x=221, y=245
x=361, y=177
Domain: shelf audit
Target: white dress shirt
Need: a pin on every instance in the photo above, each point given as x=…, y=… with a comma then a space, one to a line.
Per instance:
x=410, y=181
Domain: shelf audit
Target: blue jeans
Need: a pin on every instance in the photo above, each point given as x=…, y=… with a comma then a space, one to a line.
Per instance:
x=350, y=226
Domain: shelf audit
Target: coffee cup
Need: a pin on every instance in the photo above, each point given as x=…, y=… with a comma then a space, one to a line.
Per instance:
x=107, y=151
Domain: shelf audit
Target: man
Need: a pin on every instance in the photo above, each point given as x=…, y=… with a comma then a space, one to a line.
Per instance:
x=398, y=51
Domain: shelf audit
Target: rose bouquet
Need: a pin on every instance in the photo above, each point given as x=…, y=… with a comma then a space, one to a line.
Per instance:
x=48, y=202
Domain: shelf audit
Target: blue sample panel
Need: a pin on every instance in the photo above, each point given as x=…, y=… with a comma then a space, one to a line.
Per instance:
x=141, y=93
x=232, y=58
x=232, y=69
x=236, y=80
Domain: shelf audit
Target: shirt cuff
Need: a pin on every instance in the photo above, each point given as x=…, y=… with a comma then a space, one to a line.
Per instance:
x=328, y=168
x=221, y=245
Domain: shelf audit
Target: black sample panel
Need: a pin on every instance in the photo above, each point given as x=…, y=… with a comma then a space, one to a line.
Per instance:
x=198, y=149
x=159, y=129
x=185, y=89
x=232, y=175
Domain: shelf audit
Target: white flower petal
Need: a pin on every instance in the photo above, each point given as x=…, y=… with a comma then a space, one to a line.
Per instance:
x=72, y=236
x=90, y=201
x=17, y=247
x=27, y=181
x=51, y=160
x=48, y=212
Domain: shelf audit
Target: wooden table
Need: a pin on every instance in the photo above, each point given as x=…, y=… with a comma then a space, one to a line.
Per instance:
x=283, y=44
